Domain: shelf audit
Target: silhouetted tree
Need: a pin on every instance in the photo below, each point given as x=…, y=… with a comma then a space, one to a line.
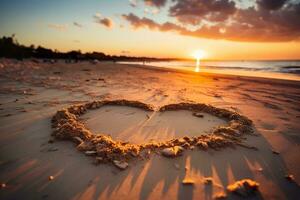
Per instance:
x=10, y=48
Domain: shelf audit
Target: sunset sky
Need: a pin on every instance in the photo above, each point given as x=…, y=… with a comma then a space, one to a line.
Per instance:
x=224, y=29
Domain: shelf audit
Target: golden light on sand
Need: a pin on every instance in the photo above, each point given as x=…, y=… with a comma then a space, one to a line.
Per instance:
x=199, y=54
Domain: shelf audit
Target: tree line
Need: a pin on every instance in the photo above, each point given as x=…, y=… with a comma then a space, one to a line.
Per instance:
x=10, y=48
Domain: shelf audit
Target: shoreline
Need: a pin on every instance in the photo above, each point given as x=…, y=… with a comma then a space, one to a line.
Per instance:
x=222, y=73
x=287, y=82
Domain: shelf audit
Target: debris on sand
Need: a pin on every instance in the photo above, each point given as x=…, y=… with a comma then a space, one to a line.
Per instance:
x=245, y=187
x=51, y=149
x=290, y=177
x=188, y=181
x=172, y=151
x=120, y=164
x=198, y=115
x=275, y=152
x=67, y=126
x=202, y=145
x=77, y=140
x=90, y=153
x=220, y=196
x=50, y=178
x=208, y=180
x=98, y=160
x=50, y=141
x=260, y=169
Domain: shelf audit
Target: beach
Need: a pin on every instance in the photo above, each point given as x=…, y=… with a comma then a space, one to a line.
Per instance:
x=32, y=91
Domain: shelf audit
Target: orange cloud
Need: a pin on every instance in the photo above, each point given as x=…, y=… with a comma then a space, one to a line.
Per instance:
x=156, y=3
x=267, y=21
x=105, y=21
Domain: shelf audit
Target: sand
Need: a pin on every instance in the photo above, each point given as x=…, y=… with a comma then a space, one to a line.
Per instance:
x=31, y=93
x=137, y=126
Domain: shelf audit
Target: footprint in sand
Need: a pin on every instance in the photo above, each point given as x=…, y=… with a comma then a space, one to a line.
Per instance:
x=272, y=106
x=268, y=126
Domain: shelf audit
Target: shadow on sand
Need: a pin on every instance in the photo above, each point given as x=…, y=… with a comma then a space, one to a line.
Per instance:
x=28, y=160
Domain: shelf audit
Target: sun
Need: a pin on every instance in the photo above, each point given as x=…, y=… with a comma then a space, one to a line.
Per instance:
x=199, y=54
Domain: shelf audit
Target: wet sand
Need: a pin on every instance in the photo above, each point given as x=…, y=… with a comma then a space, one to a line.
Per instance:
x=31, y=93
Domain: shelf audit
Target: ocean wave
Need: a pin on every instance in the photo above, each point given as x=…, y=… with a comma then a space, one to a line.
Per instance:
x=286, y=67
x=239, y=68
x=290, y=67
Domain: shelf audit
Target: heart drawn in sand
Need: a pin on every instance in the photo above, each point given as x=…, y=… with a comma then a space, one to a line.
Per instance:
x=67, y=126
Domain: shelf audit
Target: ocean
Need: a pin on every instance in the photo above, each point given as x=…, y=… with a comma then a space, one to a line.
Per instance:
x=269, y=69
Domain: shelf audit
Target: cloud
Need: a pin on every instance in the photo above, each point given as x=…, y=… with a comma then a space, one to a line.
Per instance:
x=195, y=11
x=58, y=27
x=255, y=30
x=137, y=22
x=133, y=3
x=153, y=11
x=271, y=4
x=223, y=19
x=156, y=3
x=145, y=22
x=77, y=24
x=105, y=21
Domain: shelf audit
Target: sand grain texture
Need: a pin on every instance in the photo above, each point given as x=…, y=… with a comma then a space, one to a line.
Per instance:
x=26, y=162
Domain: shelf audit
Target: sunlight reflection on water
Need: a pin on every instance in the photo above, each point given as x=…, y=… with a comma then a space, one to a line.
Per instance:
x=197, y=68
